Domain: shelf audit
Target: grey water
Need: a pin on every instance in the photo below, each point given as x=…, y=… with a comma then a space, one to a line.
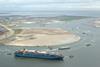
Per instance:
x=80, y=55
x=51, y=13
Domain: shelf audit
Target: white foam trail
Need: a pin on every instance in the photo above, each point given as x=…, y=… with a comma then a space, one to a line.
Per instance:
x=29, y=22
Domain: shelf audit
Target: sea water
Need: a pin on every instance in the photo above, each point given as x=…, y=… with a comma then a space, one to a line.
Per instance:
x=79, y=54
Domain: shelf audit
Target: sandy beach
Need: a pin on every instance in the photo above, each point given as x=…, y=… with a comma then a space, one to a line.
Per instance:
x=43, y=37
x=97, y=23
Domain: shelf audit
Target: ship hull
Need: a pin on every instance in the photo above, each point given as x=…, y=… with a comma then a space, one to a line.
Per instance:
x=39, y=56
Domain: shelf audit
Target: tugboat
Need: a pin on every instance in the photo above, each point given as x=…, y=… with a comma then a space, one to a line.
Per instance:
x=50, y=55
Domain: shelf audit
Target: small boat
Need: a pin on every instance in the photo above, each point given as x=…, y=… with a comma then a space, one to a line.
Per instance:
x=88, y=45
x=64, y=48
x=39, y=54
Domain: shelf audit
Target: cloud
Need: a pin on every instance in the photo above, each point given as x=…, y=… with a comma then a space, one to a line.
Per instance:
x=60, y=5
x=44, y=1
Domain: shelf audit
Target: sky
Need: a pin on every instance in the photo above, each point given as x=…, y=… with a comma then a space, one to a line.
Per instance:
x=49, y=5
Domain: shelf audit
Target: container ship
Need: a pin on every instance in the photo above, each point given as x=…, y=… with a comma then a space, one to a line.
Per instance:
x=50, y=55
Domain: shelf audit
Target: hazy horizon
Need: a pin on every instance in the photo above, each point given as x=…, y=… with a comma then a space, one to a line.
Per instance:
x=49, y=5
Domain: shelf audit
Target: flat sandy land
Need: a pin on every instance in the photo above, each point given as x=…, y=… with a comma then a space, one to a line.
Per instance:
x=44, y=37
x=7, y=32
x=97, y=23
